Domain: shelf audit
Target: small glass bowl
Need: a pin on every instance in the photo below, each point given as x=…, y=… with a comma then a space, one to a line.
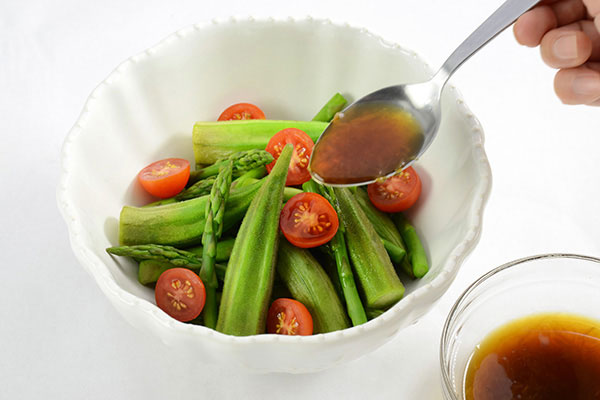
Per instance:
x=564, y=283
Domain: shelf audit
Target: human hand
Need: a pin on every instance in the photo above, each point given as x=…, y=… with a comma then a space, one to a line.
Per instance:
x=568, y=33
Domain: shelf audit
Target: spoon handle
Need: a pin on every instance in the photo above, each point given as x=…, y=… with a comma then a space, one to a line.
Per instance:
x=504, y=16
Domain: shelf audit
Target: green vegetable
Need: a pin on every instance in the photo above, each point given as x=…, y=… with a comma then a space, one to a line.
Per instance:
x=243, y=161
x=384, y=226
x=251, y=176
x=378, y=280
x=325, y=257
x=162, y=202
x=395, y=252
x=338, y=249
x=311, y=186
x=179, y=224
x=155, y=259
x=150, y=270
x=216, y=140
x=203, y=187
x=251, y=268
x=333, y=106
x=288, y=192
x=200, y=188
x=373, y=313
x=220, y=270
x=213, y=229
x=165, y=254
x=309, y=284
x=224, y=248
x=416, y=253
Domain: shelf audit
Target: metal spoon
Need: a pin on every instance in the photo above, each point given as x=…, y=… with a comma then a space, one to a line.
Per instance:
x=422, y=100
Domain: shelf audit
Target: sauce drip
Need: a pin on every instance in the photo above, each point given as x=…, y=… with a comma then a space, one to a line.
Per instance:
x=544, y=356
x=366, y=142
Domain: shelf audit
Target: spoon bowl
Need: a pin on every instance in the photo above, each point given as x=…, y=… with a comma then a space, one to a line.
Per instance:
x=377, y=156
x=402, y=118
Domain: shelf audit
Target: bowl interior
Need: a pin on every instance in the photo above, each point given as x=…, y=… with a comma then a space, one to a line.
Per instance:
x=146, y=109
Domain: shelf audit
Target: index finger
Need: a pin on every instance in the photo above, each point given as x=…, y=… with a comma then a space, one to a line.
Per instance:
x=534, y=24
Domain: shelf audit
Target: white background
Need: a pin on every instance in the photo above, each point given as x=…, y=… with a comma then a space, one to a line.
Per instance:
x=59, y=336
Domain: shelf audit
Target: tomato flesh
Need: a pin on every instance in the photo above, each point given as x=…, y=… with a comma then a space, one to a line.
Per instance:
x=289, y=317
x=180, y=293
x=241, y=111
x=396, y=193
x=165, y=178
x=303, y=145
x=308, y=220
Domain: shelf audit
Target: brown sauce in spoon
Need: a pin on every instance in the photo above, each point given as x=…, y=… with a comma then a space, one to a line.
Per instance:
x=366, y=142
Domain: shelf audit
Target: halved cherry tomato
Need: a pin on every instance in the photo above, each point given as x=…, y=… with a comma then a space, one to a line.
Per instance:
x=303, y=145
x=397, y=193
x=289, y=317
x=180, y=293
x=165, y=178
x=241, y=111
x=308, y=220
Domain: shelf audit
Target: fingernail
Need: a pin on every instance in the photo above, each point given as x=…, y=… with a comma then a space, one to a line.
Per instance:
x=587, y=85
x=565, y=47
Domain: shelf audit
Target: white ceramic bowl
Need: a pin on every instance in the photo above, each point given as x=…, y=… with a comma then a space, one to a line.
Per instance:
x=146, y=108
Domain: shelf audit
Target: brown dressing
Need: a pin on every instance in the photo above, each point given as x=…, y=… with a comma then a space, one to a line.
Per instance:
x=544, y=356
x=366, y=142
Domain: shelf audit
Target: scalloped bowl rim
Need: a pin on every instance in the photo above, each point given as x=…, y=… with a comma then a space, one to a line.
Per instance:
x=109, y=286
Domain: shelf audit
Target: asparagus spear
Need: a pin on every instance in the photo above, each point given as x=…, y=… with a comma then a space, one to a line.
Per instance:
x=200, y=188
x=249, y=177
x=415, y=251
x=333, y=106
x=337, y=248
x=203, y=187
x=396, y=253
x=325, y=257
x=207, y=271
x=243, y=161
x=356, y=310
x=155, y=259
x=313, y=187
x=172, y=255
x=215, y=210
x=385, y=228
x=167, y=254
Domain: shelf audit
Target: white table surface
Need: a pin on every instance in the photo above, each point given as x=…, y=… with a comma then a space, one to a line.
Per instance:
x=61, y=339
